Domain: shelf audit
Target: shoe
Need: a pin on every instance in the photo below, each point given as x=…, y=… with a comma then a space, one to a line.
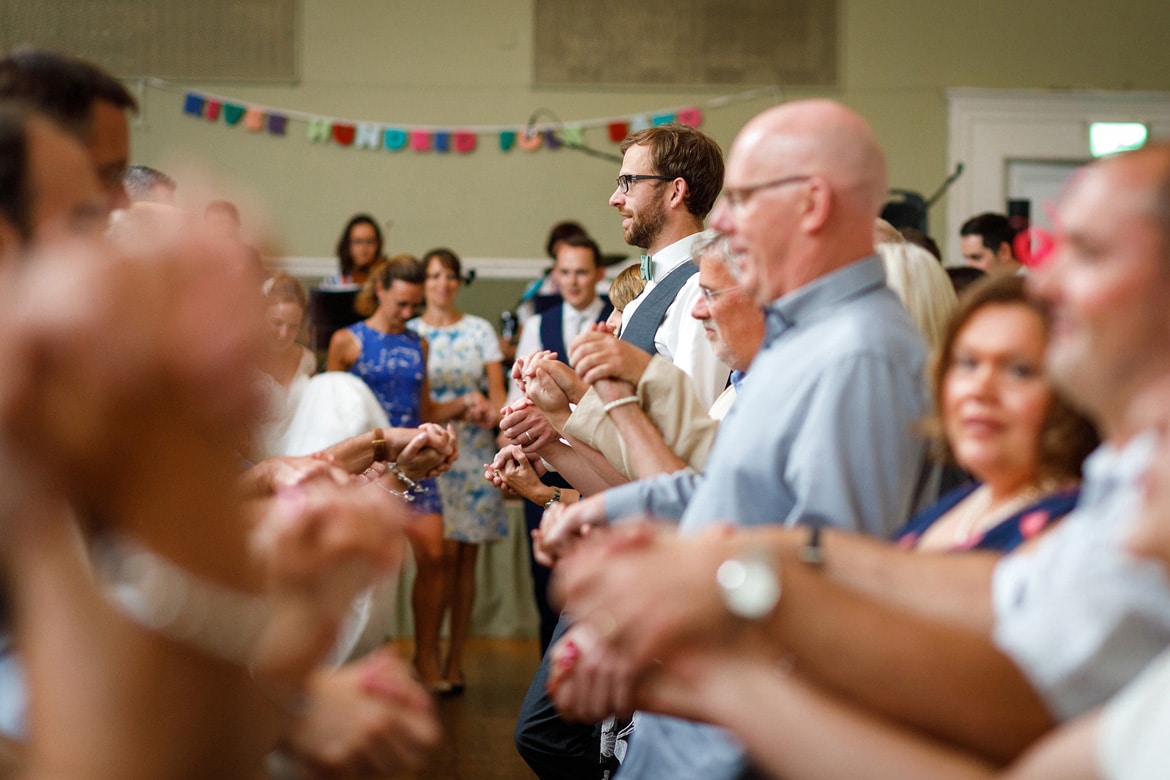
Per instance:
x=439, y=688
x=457, y=687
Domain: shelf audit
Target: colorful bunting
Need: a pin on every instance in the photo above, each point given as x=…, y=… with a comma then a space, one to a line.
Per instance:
x=376, y=136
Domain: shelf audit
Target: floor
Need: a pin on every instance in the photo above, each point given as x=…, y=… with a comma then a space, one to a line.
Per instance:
x=477, y=726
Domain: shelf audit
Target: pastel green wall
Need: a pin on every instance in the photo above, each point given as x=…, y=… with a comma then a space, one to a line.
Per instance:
x=453, y=62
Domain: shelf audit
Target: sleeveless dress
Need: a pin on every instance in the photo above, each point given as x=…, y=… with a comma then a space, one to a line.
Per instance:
x=473, y=510
x=1013, y=531
x=392, y=365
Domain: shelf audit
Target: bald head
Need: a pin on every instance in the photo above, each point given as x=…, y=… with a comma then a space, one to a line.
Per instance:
x=823, y=138
x=805, y=181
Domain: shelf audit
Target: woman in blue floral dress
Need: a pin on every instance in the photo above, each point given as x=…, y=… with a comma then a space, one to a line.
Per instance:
x=464, y=365
x=393, y=362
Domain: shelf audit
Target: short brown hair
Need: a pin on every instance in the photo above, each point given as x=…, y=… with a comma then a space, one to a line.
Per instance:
x=682, y=152
x=1067, y=436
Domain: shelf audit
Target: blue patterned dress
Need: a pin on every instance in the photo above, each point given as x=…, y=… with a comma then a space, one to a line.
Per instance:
x=392, y=365
x=473, y=510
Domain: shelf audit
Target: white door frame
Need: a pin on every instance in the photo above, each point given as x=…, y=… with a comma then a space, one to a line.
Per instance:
x=990, y=127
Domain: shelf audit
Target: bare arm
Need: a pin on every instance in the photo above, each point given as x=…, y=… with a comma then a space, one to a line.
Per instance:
x=344, y=349
x=912, y=667
x=646, y=450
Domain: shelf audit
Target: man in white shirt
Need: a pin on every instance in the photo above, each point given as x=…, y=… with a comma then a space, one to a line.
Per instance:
x=670, y=177
x=577, y=271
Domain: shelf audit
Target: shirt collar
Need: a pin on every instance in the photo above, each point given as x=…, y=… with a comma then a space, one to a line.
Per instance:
x=1110, y=467
x=670, y=257
x=823, y=294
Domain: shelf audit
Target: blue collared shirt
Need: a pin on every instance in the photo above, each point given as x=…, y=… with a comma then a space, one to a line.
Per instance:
x=825, y=431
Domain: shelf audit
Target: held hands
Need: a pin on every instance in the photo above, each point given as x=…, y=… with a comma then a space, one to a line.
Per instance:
x=429, y=452
x=525, y=425
x=369, y=718
x=522, y=368
x=598, y=356
x=639, y=595
x=564, y=525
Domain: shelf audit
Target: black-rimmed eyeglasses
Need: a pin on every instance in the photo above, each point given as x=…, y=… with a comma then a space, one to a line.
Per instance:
x=736, y=197
x=626, y=179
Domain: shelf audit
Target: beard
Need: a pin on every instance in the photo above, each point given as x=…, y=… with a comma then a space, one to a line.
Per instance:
x=645, y=228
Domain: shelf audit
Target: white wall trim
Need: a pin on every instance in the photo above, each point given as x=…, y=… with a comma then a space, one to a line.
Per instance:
x=495, y=268
x=990, y=127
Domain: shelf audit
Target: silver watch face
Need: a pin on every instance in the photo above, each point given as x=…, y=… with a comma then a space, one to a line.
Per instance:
x=750, y=587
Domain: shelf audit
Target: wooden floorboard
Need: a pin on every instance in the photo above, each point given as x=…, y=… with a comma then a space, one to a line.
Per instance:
x=477, y=726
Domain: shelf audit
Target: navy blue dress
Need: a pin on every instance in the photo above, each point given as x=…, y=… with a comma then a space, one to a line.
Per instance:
x=1013, y=531
x=393, y=366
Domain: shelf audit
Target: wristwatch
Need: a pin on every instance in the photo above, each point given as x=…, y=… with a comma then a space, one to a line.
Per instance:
x=749, y=584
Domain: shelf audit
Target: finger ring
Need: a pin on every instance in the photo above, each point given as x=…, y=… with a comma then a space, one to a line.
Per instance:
x=529, y=435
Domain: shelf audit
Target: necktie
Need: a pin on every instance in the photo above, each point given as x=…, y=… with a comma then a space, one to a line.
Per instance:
x=647, y=268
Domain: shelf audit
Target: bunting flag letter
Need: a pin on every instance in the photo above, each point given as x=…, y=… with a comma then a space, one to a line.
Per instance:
x=394, y=139
x=344, y=134
x=530, y=141
x=254, y=119
x=662, y=119
x=420, y=140
x=551, y=140
x=193, y=105
x=639, y=123
x=212, y=112
x=691, y=116
x=618, y=131
x=277, y=124
x=318, y=130
x=368, y=136
x=465, y=142
x=441, y=141
x=232, y=114
x=507, y=140
x=573, y=135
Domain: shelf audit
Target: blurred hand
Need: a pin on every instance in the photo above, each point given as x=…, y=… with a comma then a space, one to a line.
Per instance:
x=563, y=525
x=369, y=718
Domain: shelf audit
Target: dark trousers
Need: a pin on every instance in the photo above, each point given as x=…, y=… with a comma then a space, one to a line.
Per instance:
x=542, y=574
x=553, y=748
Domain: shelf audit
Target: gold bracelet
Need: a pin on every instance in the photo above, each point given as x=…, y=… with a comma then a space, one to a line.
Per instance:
x=380, y=446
